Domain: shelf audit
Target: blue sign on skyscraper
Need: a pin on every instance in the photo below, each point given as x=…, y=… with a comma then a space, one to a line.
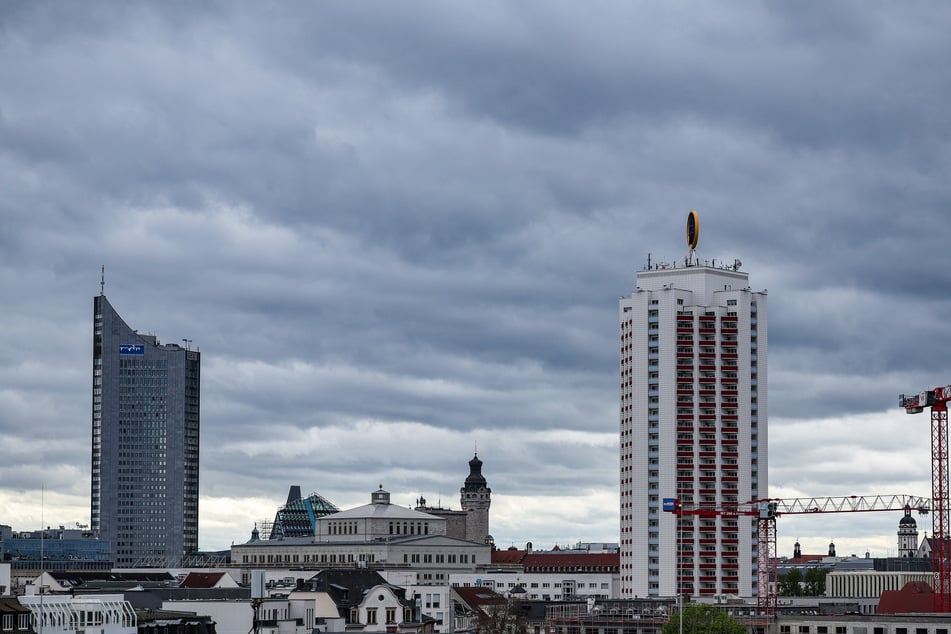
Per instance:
x=131, y=348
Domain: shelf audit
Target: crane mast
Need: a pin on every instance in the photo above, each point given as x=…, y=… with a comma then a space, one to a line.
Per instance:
x=937, y=399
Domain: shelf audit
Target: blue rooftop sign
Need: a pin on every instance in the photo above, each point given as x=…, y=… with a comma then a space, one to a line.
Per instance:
x=131, y=348
x=670, y=504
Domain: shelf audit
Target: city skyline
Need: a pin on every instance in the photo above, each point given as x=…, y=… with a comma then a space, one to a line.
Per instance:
x=398, y=235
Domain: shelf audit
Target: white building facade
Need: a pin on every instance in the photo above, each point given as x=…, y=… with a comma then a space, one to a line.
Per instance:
x=693, y=412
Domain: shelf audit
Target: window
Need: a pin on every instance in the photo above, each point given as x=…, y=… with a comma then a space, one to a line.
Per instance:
x=371, y=616
x=391, y=615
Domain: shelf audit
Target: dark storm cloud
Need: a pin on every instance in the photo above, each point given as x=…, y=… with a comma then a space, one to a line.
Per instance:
x=398, y=232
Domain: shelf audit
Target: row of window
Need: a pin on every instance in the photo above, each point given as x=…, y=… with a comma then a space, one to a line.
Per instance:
x=22, y=621
x=857, y=629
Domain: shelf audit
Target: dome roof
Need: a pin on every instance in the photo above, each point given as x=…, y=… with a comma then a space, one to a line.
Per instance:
x=907, y=520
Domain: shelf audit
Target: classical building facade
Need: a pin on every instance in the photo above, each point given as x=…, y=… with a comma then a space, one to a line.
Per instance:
x=693, y=410
x=145, y=425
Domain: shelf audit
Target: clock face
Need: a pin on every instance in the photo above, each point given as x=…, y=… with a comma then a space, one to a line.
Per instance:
x=693, y=229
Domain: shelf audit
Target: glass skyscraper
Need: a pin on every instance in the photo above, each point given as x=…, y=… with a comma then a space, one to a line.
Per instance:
x=145, y=428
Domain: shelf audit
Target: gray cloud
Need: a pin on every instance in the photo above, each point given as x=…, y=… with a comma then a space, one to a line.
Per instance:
x=399, y=233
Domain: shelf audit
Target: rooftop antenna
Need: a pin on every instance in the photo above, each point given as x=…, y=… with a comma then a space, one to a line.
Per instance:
x=693, y=233
x=102, y=280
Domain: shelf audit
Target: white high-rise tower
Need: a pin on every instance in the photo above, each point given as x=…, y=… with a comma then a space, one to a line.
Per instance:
x=693, y=412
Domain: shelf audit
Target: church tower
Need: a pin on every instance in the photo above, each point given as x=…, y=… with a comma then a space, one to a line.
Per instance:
x=475, y=499
x=907, y=535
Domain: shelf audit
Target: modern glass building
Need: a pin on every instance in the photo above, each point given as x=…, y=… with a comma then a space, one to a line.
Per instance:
x=145, y=427
x=54, y=549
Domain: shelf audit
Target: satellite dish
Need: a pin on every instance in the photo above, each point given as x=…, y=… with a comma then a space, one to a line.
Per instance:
x=693, y=229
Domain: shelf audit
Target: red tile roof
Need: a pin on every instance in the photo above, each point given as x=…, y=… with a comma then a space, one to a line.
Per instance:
x=478, y=596
x=202, y=579
x=588, y=562
x=915, y=596
x=508, y=556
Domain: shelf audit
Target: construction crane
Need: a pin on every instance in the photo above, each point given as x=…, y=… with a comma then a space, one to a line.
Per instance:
x=937, y=399
x=767, y=510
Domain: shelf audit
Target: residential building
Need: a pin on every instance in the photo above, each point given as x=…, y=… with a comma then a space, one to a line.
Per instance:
x=145, y=426
x=15, y=618
x=693, y=412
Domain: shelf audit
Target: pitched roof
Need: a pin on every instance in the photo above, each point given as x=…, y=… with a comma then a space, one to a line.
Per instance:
x=478, y=596
x=915, y=596
x=202, y=579
x=508, y=556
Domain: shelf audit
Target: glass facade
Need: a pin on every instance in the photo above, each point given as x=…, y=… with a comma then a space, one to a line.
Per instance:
x=145, y=443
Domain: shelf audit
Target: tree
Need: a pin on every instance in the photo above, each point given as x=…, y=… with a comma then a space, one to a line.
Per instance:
x=704, y=619
x=816, y=582
x=790, y=584
x=507, y=617
x=796, y=584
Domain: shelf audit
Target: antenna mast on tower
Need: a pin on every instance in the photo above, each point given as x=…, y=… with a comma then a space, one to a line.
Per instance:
x=102, y=280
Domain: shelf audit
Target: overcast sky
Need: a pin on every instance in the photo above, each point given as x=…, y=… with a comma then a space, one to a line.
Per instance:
x=398, y=232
